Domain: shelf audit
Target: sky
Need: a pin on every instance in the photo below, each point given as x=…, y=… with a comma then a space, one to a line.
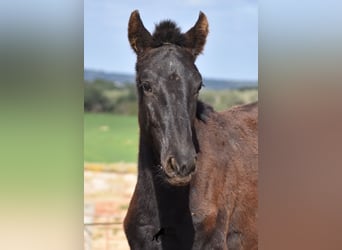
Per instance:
x=231, y=51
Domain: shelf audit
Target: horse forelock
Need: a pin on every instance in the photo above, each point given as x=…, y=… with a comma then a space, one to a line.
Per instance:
x=167, y=32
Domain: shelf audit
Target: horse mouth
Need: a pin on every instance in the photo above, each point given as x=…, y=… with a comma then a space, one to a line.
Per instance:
x=179, y=180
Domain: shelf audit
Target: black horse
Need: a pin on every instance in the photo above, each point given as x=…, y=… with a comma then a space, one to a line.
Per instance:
x=197, y=169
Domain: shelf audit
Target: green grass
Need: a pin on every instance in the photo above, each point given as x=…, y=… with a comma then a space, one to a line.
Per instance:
x=110, y=138
x=224, y=99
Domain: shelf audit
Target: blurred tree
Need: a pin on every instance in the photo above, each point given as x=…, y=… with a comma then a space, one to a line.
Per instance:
x=95, y=100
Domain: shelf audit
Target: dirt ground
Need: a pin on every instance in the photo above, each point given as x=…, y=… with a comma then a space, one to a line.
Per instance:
x=106, y=197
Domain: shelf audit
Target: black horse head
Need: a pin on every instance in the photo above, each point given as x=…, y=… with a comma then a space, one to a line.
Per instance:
x=168, y=85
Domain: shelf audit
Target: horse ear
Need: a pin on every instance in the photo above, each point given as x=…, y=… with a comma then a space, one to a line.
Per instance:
x=196, y=37
x=138, y=35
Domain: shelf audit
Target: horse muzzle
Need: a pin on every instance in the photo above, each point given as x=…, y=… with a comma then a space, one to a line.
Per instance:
x=179, y=171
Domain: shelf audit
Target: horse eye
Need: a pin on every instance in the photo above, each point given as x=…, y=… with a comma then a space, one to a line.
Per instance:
x=146, y=87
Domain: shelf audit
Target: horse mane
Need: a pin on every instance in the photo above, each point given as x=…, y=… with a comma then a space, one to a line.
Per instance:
x=203, y=111
x=167, y=32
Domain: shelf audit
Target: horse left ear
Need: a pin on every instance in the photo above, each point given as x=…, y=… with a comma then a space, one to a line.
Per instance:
x=196, y=37
x=138, y=36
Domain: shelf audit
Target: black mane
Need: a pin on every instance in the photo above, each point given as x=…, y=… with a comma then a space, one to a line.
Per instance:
x=203, y=111
x=167, y=32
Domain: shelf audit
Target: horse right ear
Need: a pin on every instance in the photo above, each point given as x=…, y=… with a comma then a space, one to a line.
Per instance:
x=196, y=37
x=138, y=36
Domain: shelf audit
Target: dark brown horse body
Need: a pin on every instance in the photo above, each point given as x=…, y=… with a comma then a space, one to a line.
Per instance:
x=197, y=169
x=223, y=193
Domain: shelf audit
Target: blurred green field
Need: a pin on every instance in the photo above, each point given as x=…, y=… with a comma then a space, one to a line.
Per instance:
x=110, y=138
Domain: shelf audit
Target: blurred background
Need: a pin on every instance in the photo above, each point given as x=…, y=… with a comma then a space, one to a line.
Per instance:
x=42, y=140
x=229, y=67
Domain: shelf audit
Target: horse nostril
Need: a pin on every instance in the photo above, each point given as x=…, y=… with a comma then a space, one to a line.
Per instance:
x=173, y=164
x=192, y=167
x=182, y=168
x=188, y=167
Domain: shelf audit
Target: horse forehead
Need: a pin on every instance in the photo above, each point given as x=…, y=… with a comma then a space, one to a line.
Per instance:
x=171, y=63
x=170, y=58
x=168, y=65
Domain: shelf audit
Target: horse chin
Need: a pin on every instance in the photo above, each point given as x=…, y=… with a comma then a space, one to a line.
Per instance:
x=179, y=181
